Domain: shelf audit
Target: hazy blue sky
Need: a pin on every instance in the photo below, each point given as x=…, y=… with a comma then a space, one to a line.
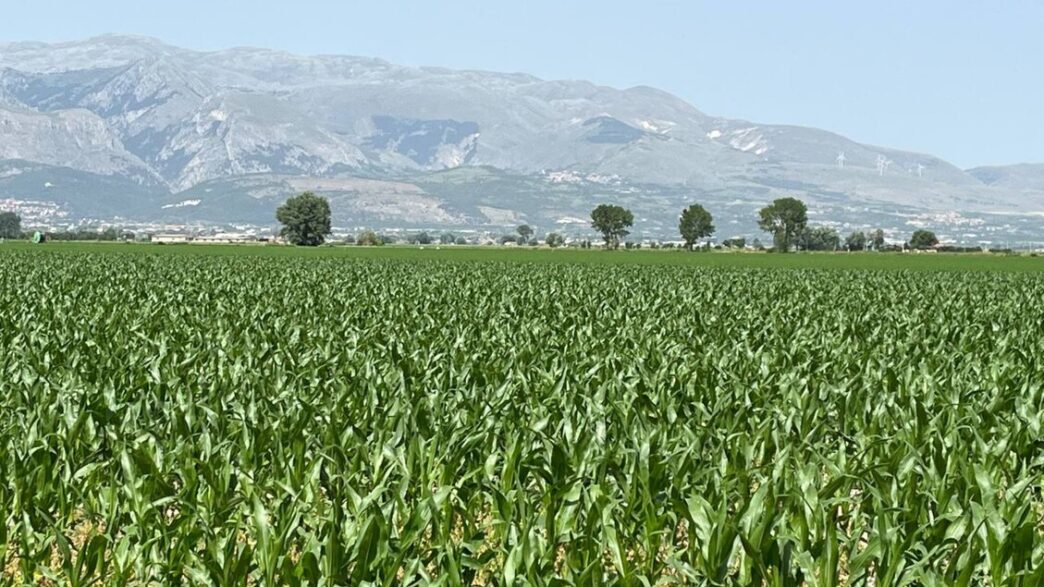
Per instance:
x=962, y=79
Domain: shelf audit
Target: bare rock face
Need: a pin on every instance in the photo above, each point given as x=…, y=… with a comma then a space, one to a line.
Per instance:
x=73, y=138
x=214, y=126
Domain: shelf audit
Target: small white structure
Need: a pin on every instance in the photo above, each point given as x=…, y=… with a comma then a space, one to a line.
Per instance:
x=169, y=239
x=227, y=238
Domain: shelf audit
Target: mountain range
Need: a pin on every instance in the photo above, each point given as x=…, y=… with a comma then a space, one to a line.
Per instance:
x=121, y=127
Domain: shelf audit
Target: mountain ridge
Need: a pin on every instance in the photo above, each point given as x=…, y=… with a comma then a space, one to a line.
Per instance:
x=187, y=120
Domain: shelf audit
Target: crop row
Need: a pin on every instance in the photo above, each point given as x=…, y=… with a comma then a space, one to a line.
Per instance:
x=221, y=420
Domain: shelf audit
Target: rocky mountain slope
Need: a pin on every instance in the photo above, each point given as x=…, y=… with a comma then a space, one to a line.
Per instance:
x=225, y=136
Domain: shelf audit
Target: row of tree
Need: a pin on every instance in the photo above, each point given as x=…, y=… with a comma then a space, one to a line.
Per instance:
x=11, y=228
x=786, y=219
x=306, y=221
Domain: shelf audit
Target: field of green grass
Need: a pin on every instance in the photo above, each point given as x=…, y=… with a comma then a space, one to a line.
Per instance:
x=467, y=416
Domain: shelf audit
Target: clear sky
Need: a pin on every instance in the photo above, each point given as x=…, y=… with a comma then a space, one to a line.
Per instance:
x=962, y=79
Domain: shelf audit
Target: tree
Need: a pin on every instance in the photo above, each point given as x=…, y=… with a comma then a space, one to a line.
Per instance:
x=525, y=231
x=612, y=222
x=460, y=241
x=819, y=238
x=422, y=238
x=696, y=223
x=856, y=241
x=446, y=238
x=369, y=238
x=785, y=218
x=305, y=219
x=737, y=242
x=923, y=239
x=555, y=240
x=10, y=225
x=877, y=240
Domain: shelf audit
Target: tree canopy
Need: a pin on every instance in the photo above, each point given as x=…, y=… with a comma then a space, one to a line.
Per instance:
x=695, y=223
x=877, y=239
x=369, y=238
x=613, y=222
x=305, y=219
x=10, y=225
x=923, y=239
x=819, y=238
x=785, y=218
x=525, y=231
x=856, y=241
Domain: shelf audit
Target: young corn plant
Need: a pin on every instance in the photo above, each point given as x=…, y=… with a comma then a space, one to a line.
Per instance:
x=271, y=420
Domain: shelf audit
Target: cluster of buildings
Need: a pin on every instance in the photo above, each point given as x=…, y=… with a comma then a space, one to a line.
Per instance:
x=32, y=211
x=224, y=238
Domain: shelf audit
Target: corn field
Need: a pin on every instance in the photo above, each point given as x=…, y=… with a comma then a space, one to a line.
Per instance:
x=242, y=420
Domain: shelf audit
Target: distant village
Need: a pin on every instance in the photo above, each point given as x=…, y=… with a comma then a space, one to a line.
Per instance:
x=55, y=223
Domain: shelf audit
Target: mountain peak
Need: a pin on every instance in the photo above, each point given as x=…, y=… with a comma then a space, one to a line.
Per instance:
x=257, y=123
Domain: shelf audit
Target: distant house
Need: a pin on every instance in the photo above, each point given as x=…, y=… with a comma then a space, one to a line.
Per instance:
x=171, y=238
x=226, y=238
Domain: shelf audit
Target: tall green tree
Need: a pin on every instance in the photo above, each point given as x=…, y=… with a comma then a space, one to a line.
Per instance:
x=856, y=241
x=10, y=225
x=819, y=238
x=369, y=238
x=613, y=222
x=877, y=239
x=785, y=218
x=695, y=223
x=525, y=231
x=305, y=219
x=555, y=240
x=923, y=239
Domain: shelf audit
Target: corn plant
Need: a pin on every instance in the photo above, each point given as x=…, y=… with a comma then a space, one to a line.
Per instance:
x=206, y=420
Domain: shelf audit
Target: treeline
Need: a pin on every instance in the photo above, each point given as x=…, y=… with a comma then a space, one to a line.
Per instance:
x=11, y=228
x=109, y=234
x=785, y=219
x=306, y=221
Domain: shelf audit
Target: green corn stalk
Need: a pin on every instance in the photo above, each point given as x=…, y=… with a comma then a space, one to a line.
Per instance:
x=275, y=419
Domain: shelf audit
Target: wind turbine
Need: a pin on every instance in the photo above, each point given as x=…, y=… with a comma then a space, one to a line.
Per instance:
x=882, y=164
x=920, y=170
x=841, y=160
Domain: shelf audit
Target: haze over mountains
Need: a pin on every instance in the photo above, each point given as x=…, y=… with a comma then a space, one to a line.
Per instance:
x=134, y=128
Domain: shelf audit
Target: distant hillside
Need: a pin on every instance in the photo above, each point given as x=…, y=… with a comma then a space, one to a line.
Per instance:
x=134, y=127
